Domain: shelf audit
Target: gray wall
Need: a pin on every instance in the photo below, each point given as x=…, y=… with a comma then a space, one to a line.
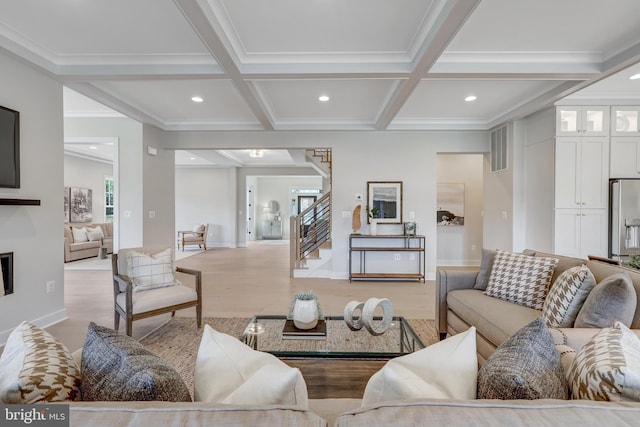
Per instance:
x=34, y=233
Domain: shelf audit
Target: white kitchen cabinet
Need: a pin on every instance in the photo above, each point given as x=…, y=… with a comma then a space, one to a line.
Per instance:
x=625, y=120
x=582, y=121
x=625, y=157
x=581, y=172
x=581, y=232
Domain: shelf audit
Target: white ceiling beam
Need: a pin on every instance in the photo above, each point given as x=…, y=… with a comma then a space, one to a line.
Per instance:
x=89, y=90
x=196, y=15
x=453, y=17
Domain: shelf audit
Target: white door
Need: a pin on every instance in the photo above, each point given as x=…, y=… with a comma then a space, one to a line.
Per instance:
x=593, y=233
x=594, y=173
x=625, y=159
x=567, y=172
x=567, y=232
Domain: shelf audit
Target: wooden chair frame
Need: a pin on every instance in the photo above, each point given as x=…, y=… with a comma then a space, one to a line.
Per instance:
x=127, y=313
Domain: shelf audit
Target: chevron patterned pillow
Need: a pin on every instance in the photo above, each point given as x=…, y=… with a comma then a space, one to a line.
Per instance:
x=566, y=296
x=607, y=367
x=521, y=279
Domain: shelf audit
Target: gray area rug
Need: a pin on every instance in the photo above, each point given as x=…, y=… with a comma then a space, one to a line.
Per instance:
x=178, y=340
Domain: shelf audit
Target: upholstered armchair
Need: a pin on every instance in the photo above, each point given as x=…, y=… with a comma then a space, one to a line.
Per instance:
x=145, y=285
x=197, y=236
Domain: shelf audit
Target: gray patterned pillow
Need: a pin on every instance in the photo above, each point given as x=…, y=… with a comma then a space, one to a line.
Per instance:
x=115, y=367
x=521, y=279
x=525, y=366
x=607, y=367
x=613, y=299
x=566, y=296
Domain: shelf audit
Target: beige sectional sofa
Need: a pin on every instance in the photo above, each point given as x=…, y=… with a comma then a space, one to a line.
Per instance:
x=459, y=305
x=75, y=250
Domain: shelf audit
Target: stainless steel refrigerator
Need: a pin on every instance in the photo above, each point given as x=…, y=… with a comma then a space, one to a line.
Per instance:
x=624, y=218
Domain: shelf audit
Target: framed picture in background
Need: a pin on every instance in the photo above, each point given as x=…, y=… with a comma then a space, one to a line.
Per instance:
x=386, y=196
x=450, y=203
x=67, y=204
x=81, y=205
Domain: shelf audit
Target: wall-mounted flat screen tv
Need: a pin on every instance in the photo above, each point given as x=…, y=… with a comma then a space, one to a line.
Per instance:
x=9, y=148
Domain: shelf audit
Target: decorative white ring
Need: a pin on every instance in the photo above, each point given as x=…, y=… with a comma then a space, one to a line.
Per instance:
x=354, y=325
x=367, y=315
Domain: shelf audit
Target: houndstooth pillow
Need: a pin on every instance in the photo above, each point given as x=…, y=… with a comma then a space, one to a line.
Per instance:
x=566, y=296
x=607, y=367
x=35, y=367
x=521, y=279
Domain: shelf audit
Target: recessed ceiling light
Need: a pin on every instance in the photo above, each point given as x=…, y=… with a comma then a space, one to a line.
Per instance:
x=192, y=158
x=635, y=77
x=93, y=147
x=256, y=153
x=323, y=98
x=197, y=99
x=471, y=98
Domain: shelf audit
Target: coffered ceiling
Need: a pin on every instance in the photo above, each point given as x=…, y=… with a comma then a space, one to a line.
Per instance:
x=384, y=64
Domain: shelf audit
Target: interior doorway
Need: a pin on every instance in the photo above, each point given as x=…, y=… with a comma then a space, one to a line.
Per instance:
x=459, y=209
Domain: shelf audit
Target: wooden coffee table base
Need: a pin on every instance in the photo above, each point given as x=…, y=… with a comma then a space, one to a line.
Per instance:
x=336, y=378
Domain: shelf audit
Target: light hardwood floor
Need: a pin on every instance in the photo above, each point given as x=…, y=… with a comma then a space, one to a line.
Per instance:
x=237, y=282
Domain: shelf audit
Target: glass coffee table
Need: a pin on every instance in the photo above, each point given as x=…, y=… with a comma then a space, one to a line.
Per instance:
x=340, y=364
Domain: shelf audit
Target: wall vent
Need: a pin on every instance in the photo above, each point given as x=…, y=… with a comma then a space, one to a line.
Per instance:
x=499, y=149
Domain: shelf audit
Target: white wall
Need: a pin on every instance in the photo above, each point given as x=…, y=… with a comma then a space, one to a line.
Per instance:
x=127, y=169
x=205, y=195
x=461, y=245
x=539, y=180
x=279, y=188
x=86, y=173
x=34, y=233
x=498, y=202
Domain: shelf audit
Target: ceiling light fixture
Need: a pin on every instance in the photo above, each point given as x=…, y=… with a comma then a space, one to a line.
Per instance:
x=471, y=98
x=192, y=158
x=93, y=147
x=256, y=153
x=197, y=99
x=323, y=98
x=635, y=77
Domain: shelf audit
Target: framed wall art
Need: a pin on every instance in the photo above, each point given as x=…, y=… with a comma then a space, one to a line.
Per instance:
x=81, y=208
x=386, y=198
x=450, y=202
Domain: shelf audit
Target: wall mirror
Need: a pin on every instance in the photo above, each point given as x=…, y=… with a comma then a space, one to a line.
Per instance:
x=6, y=262
x=386, y=196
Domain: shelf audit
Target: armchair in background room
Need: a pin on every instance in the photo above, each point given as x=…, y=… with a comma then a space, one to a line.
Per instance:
x=145, y=285
x=197, y=236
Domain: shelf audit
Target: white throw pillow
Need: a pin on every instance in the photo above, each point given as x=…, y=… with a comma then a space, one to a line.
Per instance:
x=79, y=234
x=198, y=228
x=445, y=370
x=94, y=233
x=151, y=271
x=230, y=372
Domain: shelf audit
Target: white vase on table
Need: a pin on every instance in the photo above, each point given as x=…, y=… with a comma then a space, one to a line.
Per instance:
x=373, y=227
x=305, y=314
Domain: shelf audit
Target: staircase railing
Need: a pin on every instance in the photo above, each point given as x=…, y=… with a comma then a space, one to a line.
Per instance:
x=309, y=230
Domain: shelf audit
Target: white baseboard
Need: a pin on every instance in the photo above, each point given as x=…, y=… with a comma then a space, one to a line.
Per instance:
x=41, y=322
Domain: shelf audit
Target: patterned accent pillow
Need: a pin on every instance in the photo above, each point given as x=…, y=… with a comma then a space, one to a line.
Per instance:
x=525, y=366
x=116, y=367
x=521, y=279
x=607, y=367
x=35, y=367
x=151, y=271
x=566, y=296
